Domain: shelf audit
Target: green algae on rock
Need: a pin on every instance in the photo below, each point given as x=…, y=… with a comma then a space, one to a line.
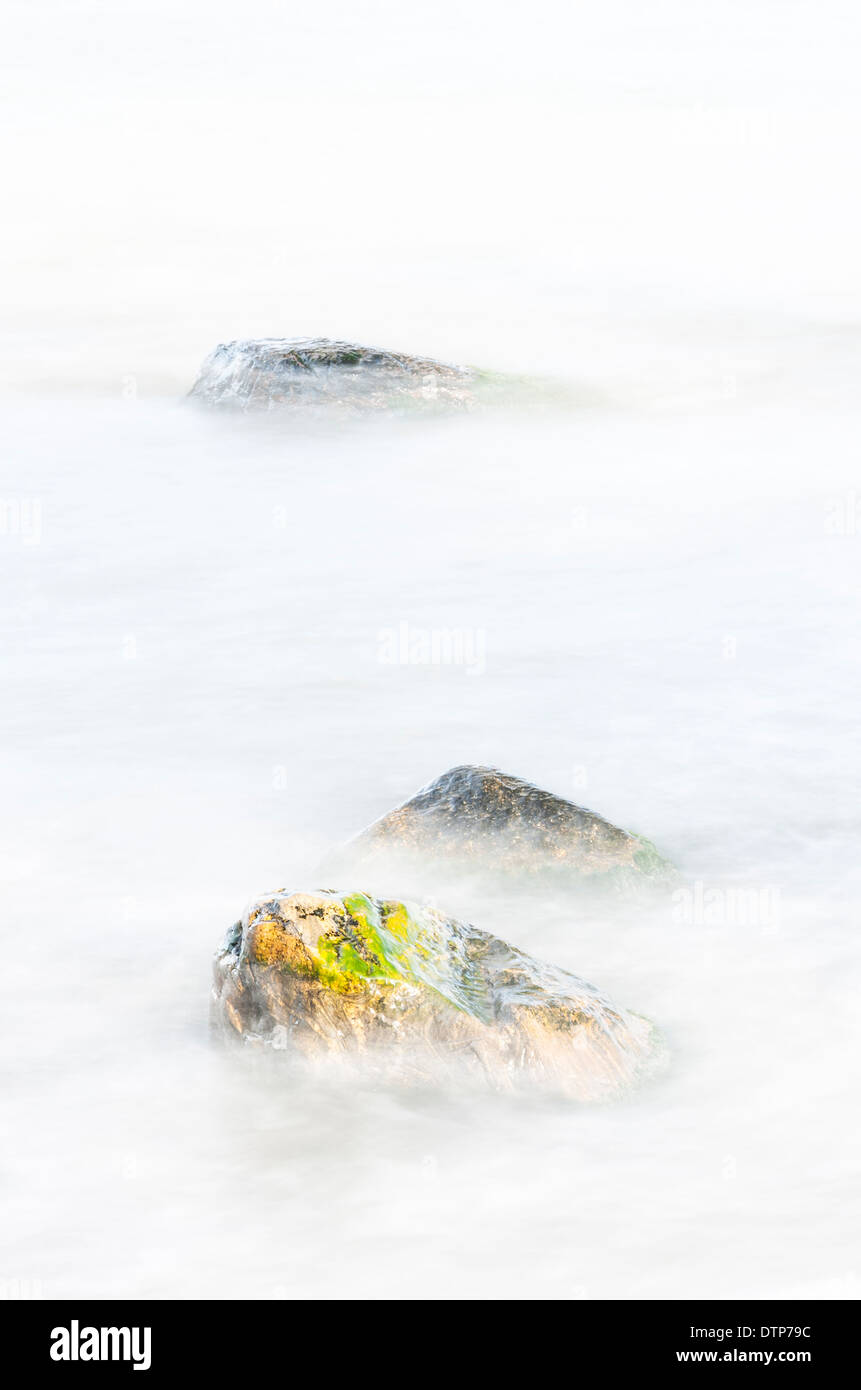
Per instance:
x=476, y=819
x=417, y=992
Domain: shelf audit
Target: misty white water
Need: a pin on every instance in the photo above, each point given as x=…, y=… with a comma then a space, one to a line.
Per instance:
x=654, y=597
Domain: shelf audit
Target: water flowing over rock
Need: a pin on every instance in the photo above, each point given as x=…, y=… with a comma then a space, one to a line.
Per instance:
x=316, y=373
x=477, y=820
x=416, y=994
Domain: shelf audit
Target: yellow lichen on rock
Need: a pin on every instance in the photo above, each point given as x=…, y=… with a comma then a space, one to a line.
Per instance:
x=419, y=993
x=273, y=945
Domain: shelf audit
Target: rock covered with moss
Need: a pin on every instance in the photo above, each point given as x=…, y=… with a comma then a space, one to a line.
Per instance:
x=416, y=992
x=480, y=820
x=317, y=373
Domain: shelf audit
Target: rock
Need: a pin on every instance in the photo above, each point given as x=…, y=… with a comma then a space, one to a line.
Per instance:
x=415, y=993
x=478, y=820
x=308, y=373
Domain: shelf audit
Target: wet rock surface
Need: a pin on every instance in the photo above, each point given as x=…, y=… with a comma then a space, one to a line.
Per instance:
x=477, y=819
x=307, y=374
x=417, y=993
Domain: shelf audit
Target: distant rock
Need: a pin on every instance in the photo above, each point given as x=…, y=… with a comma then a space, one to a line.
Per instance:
x=415, y=995
x=316, y=373
x=477, y=820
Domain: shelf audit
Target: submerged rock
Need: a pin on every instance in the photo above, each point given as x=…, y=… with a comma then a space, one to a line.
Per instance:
x=476, y=819
x=416, y=993
x=309, y=373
